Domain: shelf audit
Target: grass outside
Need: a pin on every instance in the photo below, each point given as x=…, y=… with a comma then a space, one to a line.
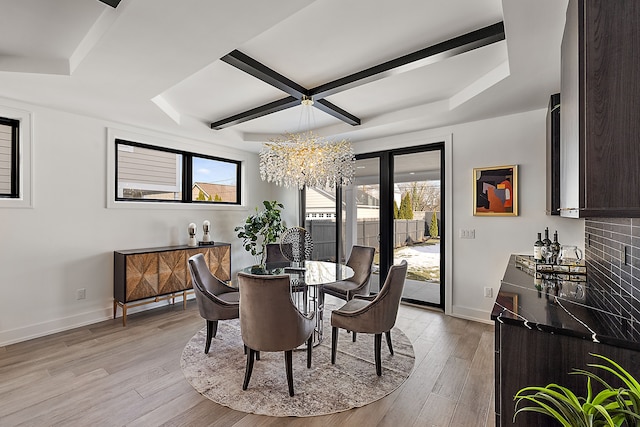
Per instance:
x=422, y=271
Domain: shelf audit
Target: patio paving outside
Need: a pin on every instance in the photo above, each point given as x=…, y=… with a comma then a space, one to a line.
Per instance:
x=423, y=274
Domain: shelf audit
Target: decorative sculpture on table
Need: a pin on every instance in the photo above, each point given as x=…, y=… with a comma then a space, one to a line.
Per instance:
x=206, y=237
x=192, y=235
x=296, y=244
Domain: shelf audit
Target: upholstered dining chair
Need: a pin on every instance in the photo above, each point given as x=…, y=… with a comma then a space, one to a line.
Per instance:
x=274, y=254
x=216, y=301
x=269, y=321
x=372, y=315
x=361, y=261
x=296, y=244
x=275, y=257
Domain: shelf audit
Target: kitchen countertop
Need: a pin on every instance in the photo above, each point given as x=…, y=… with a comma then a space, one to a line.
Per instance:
x=563, y=307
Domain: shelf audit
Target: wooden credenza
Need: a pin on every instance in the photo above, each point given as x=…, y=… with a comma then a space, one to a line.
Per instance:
x=143, y=276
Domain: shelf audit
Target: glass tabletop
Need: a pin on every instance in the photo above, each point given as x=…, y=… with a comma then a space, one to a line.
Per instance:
x=315, y=272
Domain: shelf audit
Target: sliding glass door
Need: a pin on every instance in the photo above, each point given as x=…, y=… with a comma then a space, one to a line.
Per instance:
x=417, y=223
x=395, y=206
x=362, y=212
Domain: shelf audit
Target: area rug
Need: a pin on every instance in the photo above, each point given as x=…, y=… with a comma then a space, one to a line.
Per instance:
x=324, y=389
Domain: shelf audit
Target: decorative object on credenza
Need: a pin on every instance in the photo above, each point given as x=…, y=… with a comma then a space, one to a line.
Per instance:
x=206, y=237
x=192, y=235
x=495, y=191
x=261, y=228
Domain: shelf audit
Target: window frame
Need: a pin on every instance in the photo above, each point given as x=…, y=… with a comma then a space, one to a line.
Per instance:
x=186, y=175
x=25, y=159
x=15, y=157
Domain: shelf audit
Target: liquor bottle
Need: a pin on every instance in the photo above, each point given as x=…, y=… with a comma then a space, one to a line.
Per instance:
x=555, y=247
x=537, y=248
x=546, y=240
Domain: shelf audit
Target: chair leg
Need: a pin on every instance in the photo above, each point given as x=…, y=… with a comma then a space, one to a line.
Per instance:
x=387, y=335
x=354, y=336
x=305, y=295
x=212, y=329
x=288, y=361
x=334, y=344
x=377, y=345
x=248, y=369
x=309, y=350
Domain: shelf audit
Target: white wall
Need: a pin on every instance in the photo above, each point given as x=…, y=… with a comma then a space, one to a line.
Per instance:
x=66, y=241
x=478, y=263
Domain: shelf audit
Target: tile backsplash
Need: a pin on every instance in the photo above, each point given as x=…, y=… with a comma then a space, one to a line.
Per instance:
x=612, y=253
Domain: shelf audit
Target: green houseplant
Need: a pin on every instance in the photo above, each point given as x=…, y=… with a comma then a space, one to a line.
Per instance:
x=261, y=228
x=612, y=407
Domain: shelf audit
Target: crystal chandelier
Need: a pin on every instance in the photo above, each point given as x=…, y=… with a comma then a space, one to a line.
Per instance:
x=306, y=159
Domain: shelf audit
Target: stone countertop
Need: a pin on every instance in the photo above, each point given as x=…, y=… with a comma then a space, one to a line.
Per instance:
x=565, y=307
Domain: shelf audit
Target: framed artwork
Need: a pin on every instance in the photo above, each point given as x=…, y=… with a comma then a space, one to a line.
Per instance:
x=495, y=191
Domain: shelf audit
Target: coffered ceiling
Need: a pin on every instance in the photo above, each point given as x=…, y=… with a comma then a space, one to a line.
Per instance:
x=156, y=63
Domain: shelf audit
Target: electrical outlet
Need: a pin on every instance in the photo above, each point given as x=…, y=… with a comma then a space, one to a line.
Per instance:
x=467, y=233
x=488, y=292
x=81, y=293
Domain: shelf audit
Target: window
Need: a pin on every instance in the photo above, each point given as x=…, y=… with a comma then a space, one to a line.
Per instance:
x=214, y=180
x=9, y=158
x=149, y=173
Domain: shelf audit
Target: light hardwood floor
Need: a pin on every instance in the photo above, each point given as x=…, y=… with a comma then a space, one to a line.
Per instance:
x=107, y=375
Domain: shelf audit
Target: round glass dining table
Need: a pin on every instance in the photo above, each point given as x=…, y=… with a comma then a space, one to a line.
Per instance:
x=307, y=279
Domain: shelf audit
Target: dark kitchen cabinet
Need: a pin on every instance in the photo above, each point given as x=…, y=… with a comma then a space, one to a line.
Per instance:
x=553, y=155
x=600, y=121
x=529, y=357
x=544, y=331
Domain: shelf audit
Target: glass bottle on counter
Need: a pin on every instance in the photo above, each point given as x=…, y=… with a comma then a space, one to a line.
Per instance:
x=555, y=247
x=546, y=240
x=537, y=248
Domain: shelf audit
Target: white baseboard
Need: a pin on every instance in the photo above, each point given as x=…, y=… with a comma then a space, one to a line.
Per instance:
x=471, y=314
x=54, y=326
x=76, y=321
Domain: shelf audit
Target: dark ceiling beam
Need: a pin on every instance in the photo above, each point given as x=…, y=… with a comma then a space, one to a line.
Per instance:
x=335, y=111
x=254, y=113
x=256, y=69
x=264, y=73
x=438, y=52
x=112, y=3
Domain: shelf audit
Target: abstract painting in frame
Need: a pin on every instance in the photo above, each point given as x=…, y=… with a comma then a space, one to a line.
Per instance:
x=495, y=191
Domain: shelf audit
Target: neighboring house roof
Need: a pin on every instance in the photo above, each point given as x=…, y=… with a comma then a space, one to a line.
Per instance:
x=226, y=192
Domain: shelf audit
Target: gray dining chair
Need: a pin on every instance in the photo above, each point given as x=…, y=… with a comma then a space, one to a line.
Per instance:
x=269, y=321
x=274, y=254
x=216, y=301
x=372, y=315
x=361, y=261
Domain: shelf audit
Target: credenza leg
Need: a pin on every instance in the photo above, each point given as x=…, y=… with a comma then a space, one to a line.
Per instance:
x=124, y=314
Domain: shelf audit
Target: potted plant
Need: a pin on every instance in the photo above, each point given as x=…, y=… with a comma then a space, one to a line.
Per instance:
x=611, y=407
x=261, y=228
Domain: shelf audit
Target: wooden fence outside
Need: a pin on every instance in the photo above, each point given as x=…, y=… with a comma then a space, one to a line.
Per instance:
x=407, y=231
